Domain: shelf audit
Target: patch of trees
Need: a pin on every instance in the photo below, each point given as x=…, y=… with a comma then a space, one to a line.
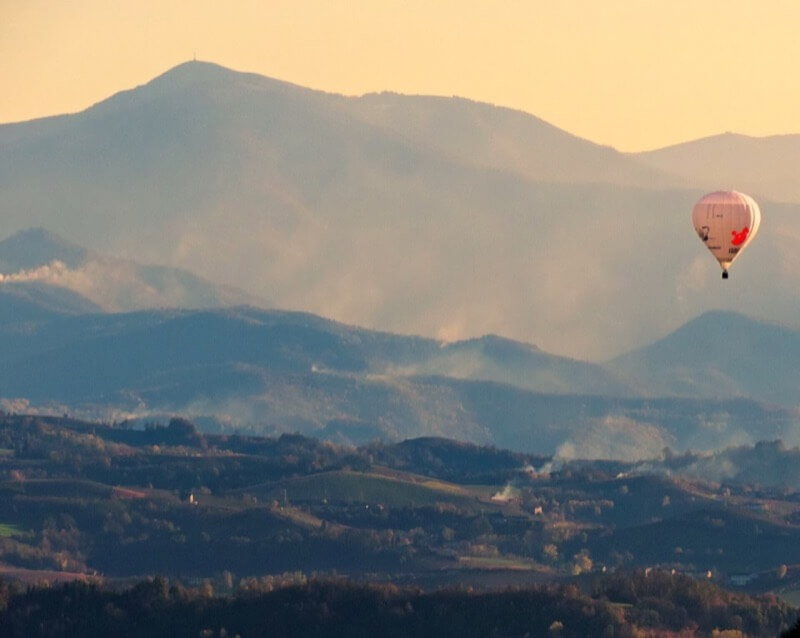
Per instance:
x=453, y=460
x=663, y=605
x=676, y=601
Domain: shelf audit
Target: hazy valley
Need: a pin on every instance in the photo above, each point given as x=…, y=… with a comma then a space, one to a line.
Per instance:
x=278, y=344
x=270, y=371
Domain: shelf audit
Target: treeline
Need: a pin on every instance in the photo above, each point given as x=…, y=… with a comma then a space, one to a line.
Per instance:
x=188, y=458
x=659, y=604
x=675, y=602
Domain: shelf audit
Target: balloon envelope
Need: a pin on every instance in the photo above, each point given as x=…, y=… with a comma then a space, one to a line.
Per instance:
x=726, y=222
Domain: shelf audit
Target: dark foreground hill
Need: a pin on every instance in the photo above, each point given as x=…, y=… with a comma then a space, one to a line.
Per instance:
x=82, y=500
x=257, y=536
x=624, y=605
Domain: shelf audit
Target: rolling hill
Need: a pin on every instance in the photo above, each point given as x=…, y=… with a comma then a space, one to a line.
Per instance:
x=719, y=354
x=245, y=369
x=34, y=301
x=51, y=271
x=123, y=351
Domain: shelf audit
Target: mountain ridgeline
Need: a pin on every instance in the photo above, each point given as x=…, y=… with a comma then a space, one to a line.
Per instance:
x=409, y=215
x=435, y=216
x=720, y=354
x=269, y=371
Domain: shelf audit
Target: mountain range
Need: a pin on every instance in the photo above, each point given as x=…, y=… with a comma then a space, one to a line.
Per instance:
x=269, y=371
x=435, y=216
x=408, y=215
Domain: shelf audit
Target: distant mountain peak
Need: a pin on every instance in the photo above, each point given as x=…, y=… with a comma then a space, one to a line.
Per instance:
x=730, y=318
x=195, y=81
x=195, y=71
x=498, y=344
x=36, y=247
x=198, y=73
x=721, y=354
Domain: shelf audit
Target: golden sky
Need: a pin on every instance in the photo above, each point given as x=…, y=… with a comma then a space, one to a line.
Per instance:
x=633, y=74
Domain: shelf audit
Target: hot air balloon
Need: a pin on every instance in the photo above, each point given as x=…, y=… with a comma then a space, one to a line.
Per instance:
x=726, y=222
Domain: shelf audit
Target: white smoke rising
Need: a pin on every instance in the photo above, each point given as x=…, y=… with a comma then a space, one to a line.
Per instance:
x=506, y=494
x=49, y=273
x=117, y=285
x=611, y=438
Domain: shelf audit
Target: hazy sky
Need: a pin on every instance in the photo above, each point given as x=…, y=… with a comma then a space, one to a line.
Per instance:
x=634, y=74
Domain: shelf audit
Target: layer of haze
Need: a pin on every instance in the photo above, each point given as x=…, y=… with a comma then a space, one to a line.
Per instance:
x=633, y=75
